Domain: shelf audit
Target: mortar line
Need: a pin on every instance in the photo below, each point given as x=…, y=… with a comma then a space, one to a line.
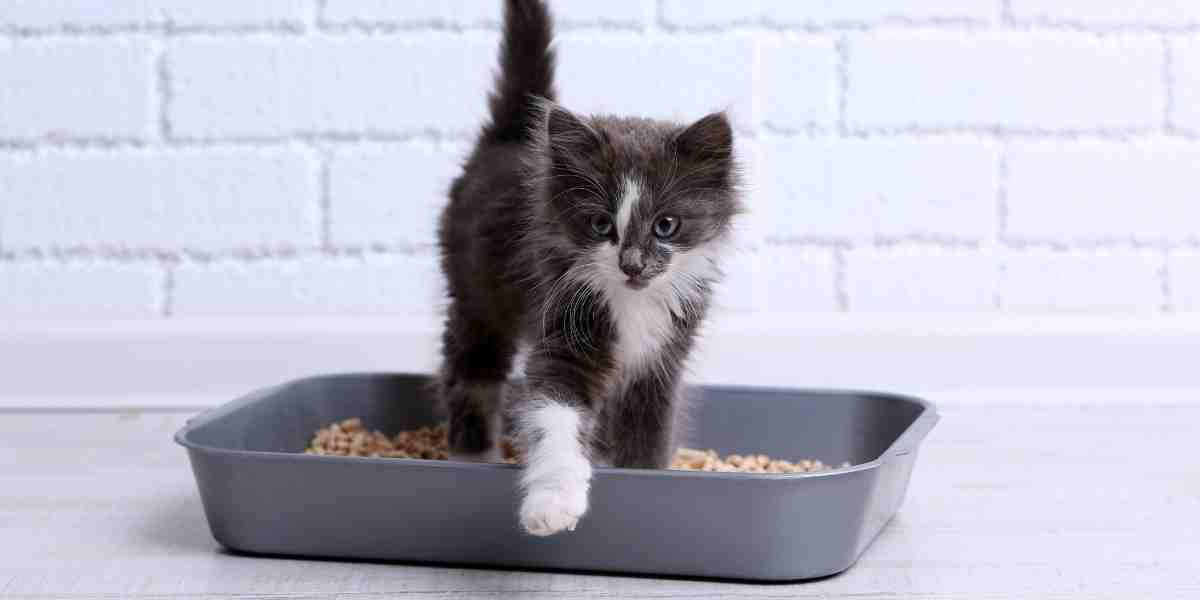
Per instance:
x=324, y=200
x=841, y=292
x=1168, y=85
x=1002, y=217
x=1007, y=24
x=842, y=85
x=318, y=16
x=981, y=133
x=658, y=21
x=1002, y=176
x=250, y=254
x=1165, y=275
x=163, y=92
x=1000, y=270
x=168, y=289
x=1006, y=13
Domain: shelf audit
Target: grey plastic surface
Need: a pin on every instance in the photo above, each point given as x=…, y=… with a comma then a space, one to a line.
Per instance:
x=261, y=496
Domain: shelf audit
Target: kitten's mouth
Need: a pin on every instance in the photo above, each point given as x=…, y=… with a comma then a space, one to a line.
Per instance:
x=637, y=283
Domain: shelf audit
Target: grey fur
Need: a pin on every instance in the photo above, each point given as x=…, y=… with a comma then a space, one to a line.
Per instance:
x=518, y=231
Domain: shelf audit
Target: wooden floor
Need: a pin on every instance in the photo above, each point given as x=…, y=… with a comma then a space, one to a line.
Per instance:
x=1057, y=497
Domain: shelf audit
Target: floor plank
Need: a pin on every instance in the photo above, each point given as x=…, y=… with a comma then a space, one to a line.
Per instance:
x=1029, y=500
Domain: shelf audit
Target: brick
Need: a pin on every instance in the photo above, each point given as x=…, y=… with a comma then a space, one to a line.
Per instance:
x=786, y=12
x=1092, y=13
x=868, y=189
x=1185, y=101
x=87, y=289
x=453, y=13
x=1184, y=271
x=273, y=88
x=1017, y=81
x=199, y=199
x=74, y=15
x=777, y=279
x=709, y=13
x=1088, y=191
x=318, y=285
x=798, y=86
x=390, y=195
x=798, y=279
x=749, y=228
x=76, y=89
x=678, y=78
x=1097, y=282
x=920, y=279
x=743, y=287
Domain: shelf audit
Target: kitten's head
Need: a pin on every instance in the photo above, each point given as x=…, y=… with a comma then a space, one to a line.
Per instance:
x=644, y=205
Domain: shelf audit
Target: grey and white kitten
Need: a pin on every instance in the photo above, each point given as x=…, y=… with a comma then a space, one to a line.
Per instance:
x=594, y=241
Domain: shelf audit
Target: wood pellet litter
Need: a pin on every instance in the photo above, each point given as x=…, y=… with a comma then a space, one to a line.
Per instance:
x=350, y=438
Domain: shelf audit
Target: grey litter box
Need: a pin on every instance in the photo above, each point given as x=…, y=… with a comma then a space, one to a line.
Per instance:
x=262, y=496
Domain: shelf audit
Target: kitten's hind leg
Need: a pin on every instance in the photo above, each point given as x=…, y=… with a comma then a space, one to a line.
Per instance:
x=477, y=360
x=475, y=425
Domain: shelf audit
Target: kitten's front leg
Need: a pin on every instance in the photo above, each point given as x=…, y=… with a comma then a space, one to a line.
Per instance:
x=552, y=429
x=642, y=423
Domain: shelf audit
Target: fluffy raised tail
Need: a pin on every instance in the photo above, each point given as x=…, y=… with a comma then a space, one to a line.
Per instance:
x=526, y=71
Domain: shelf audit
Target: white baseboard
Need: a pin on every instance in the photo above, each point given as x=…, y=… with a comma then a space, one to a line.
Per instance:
x=202, y=362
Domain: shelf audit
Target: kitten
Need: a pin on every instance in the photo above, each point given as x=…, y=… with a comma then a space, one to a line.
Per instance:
x=594, y=241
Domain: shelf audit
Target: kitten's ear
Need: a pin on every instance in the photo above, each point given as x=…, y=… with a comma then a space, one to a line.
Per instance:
x=568, y=133
x=710, y=138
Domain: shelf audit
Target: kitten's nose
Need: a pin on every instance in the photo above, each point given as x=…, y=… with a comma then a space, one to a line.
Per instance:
x=631, y=262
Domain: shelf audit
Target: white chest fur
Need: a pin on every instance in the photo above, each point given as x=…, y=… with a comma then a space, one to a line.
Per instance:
x=644, y=319
x=643, y=322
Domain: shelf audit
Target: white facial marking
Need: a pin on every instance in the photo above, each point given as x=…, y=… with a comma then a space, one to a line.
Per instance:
x=557, y=473
x=631, y=194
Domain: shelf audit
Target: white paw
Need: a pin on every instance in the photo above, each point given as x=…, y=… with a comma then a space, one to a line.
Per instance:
x=547, y=510
x=491, y=455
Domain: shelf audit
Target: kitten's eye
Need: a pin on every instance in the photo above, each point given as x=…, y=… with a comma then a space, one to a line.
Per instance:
x=666, y=227
x=602, y=225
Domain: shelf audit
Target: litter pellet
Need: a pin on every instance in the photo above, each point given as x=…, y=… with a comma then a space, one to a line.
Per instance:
x=350, y=438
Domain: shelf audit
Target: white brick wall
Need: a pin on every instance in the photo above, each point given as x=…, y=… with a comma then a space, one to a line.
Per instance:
x=76, y=89
x=317, y=285
x=1103, y=190
x=387, y=13
x=1184, y=271
x=1185, y=91
x=273, y=88
x=97, y=15
x=392, y=195
x=1004, y=80
x=665, y=77
x=80, y=289
x=798, y=64
x=1098, y=282
x=906, y=279
x=462, y=14
x=1162, y=13
x=863, y=190
x=172, y=157
x=797, y=279
x=840, y=13
x=162, y=200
